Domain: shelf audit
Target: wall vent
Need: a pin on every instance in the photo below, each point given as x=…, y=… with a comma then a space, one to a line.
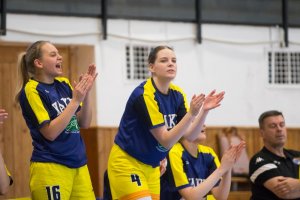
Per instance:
x=284, y=67
x=137, y=62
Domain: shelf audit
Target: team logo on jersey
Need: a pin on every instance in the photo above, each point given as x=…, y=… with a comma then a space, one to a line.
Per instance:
x=195, y=181
x=258, y=160
x=276, y=162
x=60, y=105
x=161, y=148
x=73, y=126
x=170, y=120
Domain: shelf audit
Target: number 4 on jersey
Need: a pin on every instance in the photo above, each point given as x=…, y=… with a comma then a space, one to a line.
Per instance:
x=136, y=178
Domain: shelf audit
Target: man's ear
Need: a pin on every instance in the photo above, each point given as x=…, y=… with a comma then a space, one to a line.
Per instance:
x=261, y=132
x=38, y=63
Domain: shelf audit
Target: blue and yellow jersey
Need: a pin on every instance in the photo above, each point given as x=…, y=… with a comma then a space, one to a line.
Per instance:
x=185, y=170
x=42, y=103
x=147, y=108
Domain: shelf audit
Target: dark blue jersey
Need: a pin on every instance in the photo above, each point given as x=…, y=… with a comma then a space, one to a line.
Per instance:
x=185, y=170
x=147, y=108
x=42, y=103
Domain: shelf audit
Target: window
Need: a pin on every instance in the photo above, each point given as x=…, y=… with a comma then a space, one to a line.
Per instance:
x=137, y=62
x=284, y=67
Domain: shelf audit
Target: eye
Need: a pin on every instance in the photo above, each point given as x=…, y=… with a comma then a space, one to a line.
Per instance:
x=272, y=126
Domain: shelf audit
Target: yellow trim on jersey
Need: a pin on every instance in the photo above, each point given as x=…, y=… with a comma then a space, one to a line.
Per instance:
x=176, y=88
x=35, y=101
x=178, y=150
x=209, y=150
x=175, y=166
x=152, y=107
x=63, y=79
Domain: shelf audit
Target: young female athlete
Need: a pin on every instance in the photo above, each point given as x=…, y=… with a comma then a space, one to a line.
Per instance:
x=54, y=113
x=155, y=118
x=194, y=170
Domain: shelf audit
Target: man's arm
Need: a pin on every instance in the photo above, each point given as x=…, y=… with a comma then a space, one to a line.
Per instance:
x=284, y=187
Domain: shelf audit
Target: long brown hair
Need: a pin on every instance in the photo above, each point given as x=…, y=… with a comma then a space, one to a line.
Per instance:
x=153, y=54
x=26, y=68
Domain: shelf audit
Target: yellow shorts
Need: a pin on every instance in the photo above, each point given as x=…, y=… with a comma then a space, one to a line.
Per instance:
x=51, y=181
x=131, y=179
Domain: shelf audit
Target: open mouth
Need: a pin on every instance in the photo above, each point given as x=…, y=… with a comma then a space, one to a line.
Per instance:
x=58, y=65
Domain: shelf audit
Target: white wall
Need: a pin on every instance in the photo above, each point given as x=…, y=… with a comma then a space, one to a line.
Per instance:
x=230, y=58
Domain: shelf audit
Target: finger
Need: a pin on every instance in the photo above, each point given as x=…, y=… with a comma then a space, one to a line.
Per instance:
x=80, y=77
x=91, y=69
x=212, y=92
x=95, y=76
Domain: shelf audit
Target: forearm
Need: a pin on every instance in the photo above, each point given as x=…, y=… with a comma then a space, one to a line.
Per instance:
x=85, y=114
x=222, y=191
x=195, y=128
x=169, y=138
x=56, y=126
x=291, y=195
x=203, y=189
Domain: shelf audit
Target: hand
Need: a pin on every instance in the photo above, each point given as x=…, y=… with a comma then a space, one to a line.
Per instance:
x=3, y=115
x=91, y=72
x=163, y=166
x=286, y=185
x=85, y=83
x=213, y=100
x=196, y=104
x=231, y=155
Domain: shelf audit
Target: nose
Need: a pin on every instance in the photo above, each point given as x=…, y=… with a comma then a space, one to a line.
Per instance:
x=59, y=57
x=279, y=127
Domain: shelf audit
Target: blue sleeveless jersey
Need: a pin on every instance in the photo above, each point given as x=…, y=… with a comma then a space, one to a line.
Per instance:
x=185, y=170
x=147, y=108
x=42, y=103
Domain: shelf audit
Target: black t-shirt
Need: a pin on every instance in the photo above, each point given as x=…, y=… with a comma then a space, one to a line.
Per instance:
x=265, y=165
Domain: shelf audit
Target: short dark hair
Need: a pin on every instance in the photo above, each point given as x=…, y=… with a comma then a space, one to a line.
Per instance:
x=266, y=114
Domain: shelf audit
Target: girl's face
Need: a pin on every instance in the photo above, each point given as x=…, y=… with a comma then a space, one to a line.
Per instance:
x=202, y=136
x=164, y=66
x=51, y=61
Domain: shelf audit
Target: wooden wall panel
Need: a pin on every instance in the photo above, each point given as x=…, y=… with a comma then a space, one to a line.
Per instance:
x=16, y=139
x=98, y=144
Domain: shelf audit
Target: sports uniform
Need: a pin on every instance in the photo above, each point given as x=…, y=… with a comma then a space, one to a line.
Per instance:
x=265, y=165
x=55, y=165
x=185, y=170
x=133, y=166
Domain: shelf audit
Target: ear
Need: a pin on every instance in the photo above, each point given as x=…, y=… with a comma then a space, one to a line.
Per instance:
x=38, y=63
x=261, y=132
x=151, y=68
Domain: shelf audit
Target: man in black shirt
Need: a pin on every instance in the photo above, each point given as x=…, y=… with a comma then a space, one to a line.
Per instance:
x=274, y=171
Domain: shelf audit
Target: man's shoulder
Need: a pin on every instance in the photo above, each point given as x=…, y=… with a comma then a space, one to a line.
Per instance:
x=261, y=158
x=292, y=152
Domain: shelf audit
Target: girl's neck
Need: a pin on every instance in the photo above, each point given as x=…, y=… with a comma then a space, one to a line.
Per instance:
x=191, y=147
x=43, y=79
x=162, y=85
